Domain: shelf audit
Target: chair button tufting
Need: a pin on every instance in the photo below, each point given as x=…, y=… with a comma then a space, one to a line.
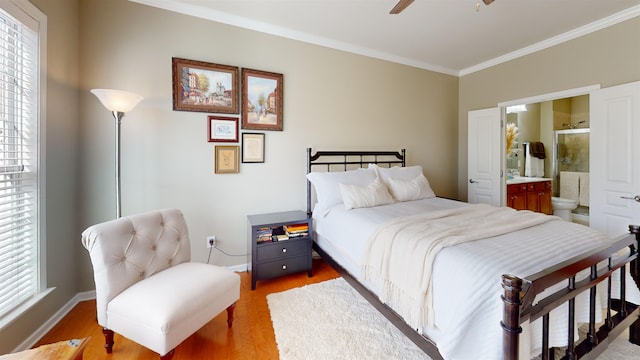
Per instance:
x=133, y=232
x=142, y=274
x=123, y=259
x=153, y=248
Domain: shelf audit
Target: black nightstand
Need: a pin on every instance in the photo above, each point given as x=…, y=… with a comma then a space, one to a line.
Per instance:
x=280, y=244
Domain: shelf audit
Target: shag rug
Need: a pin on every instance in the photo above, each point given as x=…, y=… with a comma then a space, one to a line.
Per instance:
x=330, y=320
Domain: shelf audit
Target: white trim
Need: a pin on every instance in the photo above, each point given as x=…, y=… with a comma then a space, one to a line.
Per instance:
x=243, y=22
x=551, y=96
x=64, y=310
x=570, y=35
x=16, y=313
x=260, y=26
x=49, y=324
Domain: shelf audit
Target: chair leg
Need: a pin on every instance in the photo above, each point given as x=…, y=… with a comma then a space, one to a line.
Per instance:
x=230, y=314
x=167, y=356
x=108, y=340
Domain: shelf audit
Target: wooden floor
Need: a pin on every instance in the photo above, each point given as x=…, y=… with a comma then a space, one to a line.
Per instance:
x=251, y=336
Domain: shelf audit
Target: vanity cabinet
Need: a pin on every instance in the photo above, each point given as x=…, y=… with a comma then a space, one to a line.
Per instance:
x=534, y=196
x=539, y=197
x=517, y=196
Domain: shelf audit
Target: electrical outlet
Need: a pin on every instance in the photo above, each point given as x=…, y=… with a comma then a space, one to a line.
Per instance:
x=211, y=241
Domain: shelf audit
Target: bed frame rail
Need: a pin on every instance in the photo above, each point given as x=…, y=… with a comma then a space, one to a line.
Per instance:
x=519, y=295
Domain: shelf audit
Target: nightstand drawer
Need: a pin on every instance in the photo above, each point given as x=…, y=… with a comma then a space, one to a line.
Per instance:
x=286, y=266
x=283, y=249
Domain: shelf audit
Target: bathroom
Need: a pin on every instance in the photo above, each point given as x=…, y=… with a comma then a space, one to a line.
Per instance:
x=562, y=126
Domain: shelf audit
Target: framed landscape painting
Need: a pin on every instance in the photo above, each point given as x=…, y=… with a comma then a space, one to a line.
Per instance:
x=203, y=86
x=261, y=100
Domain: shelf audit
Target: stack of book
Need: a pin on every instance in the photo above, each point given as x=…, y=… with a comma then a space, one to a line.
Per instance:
x=296, y=230
x=264, y=234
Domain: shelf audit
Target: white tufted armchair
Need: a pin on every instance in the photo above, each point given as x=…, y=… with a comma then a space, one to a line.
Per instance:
x=146, y=287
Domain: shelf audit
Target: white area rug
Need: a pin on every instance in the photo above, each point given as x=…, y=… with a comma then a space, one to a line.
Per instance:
x=330, y=320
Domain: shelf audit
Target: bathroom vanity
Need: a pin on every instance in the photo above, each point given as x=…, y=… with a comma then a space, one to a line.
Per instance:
x=529, y=193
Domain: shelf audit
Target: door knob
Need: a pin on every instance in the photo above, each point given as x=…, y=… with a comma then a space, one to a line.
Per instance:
x=636, y=198
x=471, y=181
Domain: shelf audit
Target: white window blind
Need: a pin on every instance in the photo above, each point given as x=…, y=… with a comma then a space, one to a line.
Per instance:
x=18, y=163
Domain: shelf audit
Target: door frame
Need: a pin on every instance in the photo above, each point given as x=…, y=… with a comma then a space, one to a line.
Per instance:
x=585, y=90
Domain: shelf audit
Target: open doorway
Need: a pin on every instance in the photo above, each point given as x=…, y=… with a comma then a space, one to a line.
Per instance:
x=560, y=125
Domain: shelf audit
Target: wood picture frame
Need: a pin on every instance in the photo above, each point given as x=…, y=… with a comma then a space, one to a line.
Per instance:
x=222, y=129
x=252, y=147
x=205, y=87
x=226, y=159
x=262, y=100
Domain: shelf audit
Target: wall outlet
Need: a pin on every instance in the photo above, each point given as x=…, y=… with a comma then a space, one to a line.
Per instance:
x=211, y=241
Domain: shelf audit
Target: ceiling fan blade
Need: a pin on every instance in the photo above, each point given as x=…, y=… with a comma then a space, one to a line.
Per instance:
x=487, y=2
x=401, y=5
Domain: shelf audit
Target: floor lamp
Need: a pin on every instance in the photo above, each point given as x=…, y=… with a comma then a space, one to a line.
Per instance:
x=119, y=103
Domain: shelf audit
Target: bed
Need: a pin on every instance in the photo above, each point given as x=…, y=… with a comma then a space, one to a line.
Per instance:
x=489, y=294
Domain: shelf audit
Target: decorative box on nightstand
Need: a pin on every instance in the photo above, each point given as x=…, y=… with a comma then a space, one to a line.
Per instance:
x=280, y=244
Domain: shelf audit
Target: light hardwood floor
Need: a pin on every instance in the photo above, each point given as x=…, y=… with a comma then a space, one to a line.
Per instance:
x=251, y=336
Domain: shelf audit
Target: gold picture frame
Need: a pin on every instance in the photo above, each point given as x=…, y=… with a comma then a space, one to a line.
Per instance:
x=227, y=159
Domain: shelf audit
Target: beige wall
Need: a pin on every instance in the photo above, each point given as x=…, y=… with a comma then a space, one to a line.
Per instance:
x=607, y=57
x=332, y=100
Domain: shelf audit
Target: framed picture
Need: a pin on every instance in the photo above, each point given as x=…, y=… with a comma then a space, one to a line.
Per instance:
x=223, y=129
x=252, y=147
x=261, y=100
x=203, y=86
x=226, y=159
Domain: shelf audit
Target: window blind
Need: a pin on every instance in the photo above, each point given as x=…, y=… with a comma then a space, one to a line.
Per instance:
x=18, y=163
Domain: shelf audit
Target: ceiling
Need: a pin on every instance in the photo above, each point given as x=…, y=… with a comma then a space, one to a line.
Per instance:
x=455, y=37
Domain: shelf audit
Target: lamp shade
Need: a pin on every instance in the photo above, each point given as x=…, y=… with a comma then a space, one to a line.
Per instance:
x=116, y=100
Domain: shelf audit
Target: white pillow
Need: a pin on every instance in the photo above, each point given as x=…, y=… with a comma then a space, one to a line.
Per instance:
x=397, y=172
x=355, y=196
x=326, y=185
x=415, y=189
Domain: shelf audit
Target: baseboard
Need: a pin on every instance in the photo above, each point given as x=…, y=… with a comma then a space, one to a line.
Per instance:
x=64, y=310
x=49, y=324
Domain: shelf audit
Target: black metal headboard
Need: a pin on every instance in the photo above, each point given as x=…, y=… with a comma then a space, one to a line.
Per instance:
x=347, y=160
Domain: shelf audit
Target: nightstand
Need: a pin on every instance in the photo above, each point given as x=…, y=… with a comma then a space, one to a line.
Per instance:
x=280, y=244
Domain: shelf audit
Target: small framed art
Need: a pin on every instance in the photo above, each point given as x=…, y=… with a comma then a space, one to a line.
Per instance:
x=261, y=100
x=252, y=147
x=222, y=129
x=203, y=86
x=226, y=159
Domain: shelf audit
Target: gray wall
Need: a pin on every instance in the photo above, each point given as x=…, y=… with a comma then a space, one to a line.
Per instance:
x=607, y=57
x=62, y=247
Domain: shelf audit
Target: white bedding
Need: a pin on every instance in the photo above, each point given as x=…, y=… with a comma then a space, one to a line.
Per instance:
x=466, y=277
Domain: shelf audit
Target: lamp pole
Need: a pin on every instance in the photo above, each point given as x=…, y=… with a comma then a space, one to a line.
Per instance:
x=117, y=115
x=119, y=103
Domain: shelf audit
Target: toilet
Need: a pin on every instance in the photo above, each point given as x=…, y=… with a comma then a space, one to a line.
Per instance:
x=562, y=207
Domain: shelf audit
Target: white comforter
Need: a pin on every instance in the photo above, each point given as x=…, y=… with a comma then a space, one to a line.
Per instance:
x=466, y=277
x=409, y=245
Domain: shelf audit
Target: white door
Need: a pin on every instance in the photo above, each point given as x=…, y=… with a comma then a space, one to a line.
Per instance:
x=615, y=158
x=484, y=157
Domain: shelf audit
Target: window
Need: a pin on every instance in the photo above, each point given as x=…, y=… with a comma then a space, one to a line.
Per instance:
x=19, y=156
